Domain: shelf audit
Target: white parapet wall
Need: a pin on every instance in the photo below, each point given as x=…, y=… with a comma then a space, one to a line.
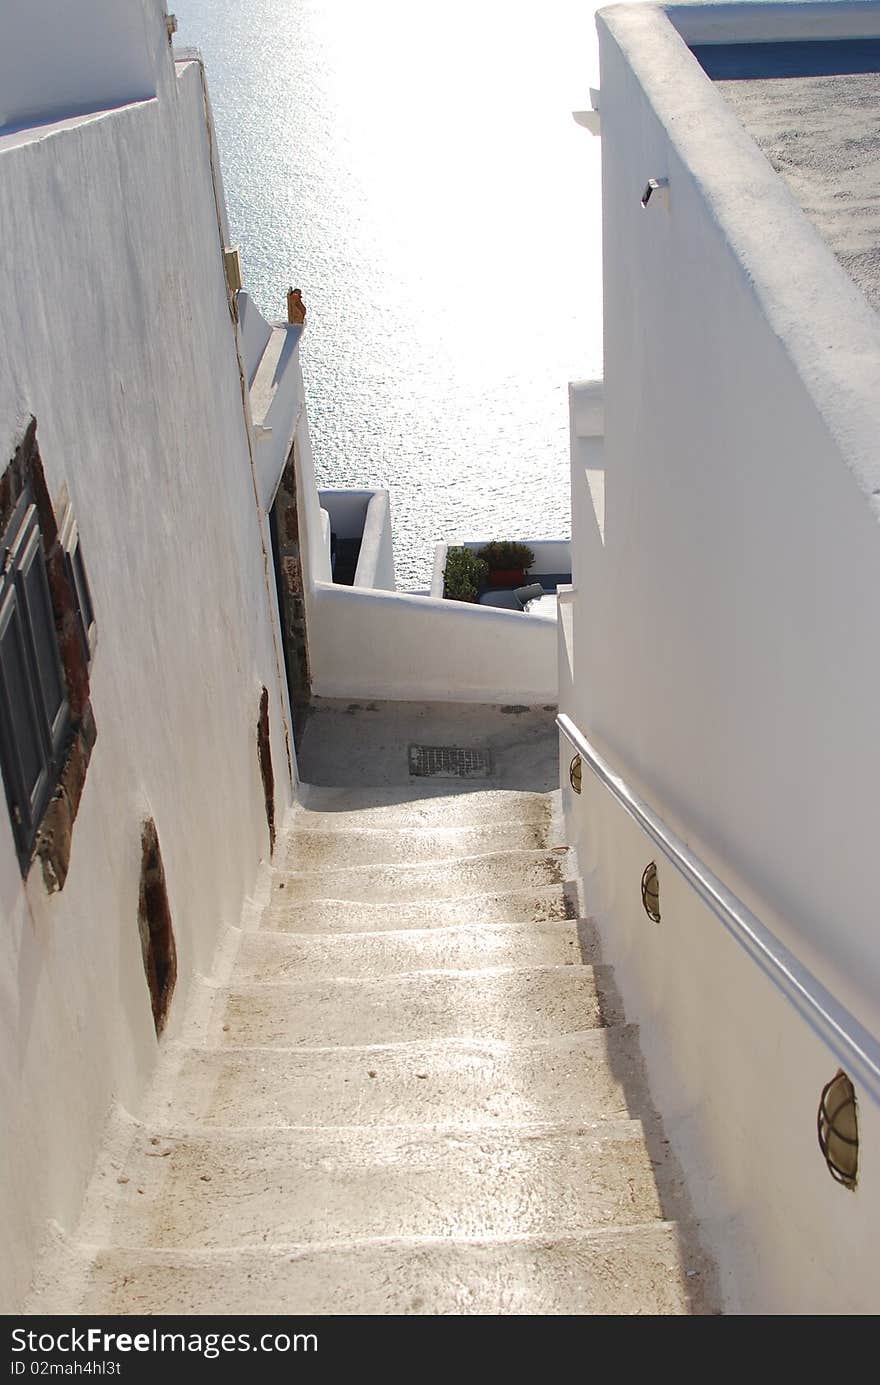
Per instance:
x=376, y=560
x=364, y=515
x=270, y=357
x=59, y=60
x=737, y=1072
x=371, y=641
x=403, y=647
x=254, y=333
x=346, y=507
x=719, y=643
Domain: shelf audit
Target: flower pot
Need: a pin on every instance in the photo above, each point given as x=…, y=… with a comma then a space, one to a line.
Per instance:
x=506, y=577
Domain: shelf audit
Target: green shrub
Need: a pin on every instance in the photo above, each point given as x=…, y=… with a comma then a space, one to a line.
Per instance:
x=463, y=575
x=503, y=555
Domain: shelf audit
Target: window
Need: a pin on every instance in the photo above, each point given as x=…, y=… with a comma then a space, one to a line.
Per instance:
x=47, y=637
x=34, y=711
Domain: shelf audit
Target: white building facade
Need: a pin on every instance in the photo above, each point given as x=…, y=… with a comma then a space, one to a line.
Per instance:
x=720, y=647
x=120, y=340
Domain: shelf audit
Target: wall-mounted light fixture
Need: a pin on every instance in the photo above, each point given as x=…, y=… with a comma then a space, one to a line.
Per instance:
x=232, y=261
x=651, y=892
x=838, y=1129
x=575, y=772
x=654, y=185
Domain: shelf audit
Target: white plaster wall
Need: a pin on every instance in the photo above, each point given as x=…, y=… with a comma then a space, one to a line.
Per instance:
x=277, y=399
x=724, y=652
x=347, y=508
x=375, y=567
x=326, y=533
x=312, y=506
x=736, y=1073
x=254, y=334
x=59, y=59
x=402, y=647
x=742, y=478
x=118, y=337
x=364, y=514
x=768, y=21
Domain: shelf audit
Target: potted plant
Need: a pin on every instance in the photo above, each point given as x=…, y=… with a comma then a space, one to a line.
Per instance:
x=508, y=562
x=463, y=575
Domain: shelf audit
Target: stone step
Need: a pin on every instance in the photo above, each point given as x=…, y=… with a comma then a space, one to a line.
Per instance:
x=268, y=956
x=316, y=848
x=471, y=875
x=558, y=901
x=589, y=1076
x=515, y=1004
x=237, y=1189
x=439, y=803
x=639, y=1270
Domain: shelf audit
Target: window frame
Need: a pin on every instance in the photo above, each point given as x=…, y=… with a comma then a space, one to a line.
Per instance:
x=26, y=601
x=78, y=578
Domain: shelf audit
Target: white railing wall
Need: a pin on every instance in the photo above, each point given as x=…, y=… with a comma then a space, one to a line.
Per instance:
x=69, y=59
x=736, y=1069
x=364, y=514
x=347, y=508
x=372, y=641
x=375, y=566
x=397, y=646
x=253, y=335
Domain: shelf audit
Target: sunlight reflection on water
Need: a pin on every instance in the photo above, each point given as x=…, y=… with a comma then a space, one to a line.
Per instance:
x=418, y=174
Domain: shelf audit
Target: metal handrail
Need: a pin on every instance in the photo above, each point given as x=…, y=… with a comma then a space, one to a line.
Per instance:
x=854, y=1046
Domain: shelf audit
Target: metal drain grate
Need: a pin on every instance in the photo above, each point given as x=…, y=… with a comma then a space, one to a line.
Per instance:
x=449, y=762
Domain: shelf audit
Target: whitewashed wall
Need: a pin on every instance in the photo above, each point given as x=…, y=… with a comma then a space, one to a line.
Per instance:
x=387, y=644
x=364, y=515
x=722, y=647
x=407, y=648
x=736, y=1073
x=80, y=55
x=277, y=399
x=254, y=333
x=375, y=566
x=117, y=336
x=347, y=509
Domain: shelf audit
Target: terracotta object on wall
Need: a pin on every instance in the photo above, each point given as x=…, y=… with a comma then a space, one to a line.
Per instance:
x=296, y=308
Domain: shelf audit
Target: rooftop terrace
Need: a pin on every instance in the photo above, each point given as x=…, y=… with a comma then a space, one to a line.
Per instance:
x=813, y=108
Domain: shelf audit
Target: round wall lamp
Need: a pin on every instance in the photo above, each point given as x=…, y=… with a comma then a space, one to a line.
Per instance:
x=651, y=892
x=838, y=1129
x=575, y=772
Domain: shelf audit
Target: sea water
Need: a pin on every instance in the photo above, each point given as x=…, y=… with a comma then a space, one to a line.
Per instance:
x=416, y=171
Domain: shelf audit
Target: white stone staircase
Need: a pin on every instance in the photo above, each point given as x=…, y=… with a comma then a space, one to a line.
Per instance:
x=407, y=1088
